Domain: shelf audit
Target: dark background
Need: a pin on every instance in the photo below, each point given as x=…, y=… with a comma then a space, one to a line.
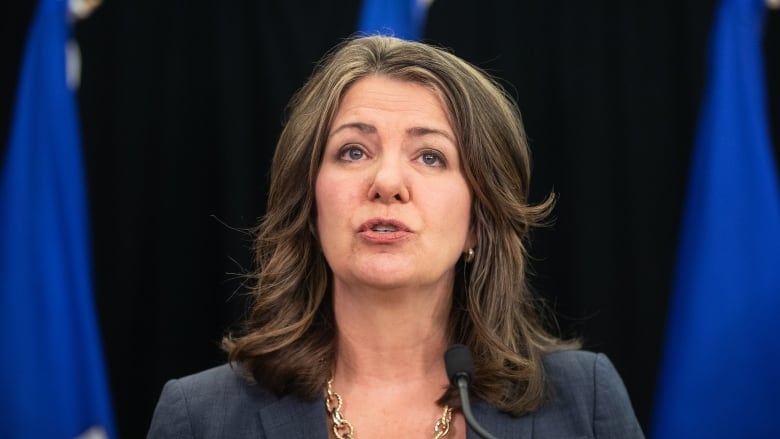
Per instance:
x=182, y=102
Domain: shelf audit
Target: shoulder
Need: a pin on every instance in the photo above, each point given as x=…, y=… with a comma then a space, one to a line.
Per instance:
x=586, y=393
x=579, y=368
x=222, y=380
x=217, y=402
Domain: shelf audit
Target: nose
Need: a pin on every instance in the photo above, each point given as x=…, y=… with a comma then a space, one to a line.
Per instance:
x=389, y=183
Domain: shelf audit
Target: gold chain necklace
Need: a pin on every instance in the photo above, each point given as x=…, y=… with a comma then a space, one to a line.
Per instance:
x=343, y=428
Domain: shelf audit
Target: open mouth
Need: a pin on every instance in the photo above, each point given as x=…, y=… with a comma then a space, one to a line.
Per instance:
x=384, y=225
x=384, y=228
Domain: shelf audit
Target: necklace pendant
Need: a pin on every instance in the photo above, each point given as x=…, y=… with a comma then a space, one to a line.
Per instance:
x=442, y=426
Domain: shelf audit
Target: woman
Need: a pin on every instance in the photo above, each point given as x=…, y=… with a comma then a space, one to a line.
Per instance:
x=397, y=223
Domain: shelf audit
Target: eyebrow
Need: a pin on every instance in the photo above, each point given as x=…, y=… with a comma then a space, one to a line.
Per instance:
x=413, y=132
x=424, y=131
x=362, y=127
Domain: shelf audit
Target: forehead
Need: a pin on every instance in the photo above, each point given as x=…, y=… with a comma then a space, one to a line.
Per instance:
x=381, y=95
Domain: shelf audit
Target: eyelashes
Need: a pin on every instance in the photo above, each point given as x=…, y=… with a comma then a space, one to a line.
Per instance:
x=432, y=158
x=351, y=153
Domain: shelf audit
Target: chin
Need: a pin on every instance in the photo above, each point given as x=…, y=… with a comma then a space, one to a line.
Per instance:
x=386, y=277
x=394, y=278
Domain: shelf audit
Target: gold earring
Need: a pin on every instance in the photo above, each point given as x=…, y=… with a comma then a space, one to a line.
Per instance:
x=469, y=256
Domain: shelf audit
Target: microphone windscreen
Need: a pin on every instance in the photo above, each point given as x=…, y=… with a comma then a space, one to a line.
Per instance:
x=458, y=363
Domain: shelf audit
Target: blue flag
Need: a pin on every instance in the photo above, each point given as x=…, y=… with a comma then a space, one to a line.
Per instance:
x=400, y=18
x=720, y=377
x=52, y=378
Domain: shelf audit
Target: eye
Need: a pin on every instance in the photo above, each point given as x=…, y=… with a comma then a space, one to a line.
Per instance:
x=351, y=153
x=432, y=158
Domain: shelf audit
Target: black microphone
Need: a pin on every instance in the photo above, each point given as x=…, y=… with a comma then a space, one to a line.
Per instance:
x=460, y=368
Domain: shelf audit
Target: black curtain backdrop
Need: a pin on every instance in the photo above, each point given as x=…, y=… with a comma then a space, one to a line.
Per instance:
x=182, y=102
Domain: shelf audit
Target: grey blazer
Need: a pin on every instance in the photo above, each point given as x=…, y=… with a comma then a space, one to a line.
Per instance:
x=586, y=399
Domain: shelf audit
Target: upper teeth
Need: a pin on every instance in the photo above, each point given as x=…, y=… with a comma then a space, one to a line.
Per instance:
x=384, y=228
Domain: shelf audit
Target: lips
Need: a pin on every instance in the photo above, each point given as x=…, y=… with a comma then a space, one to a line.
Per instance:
x=383, y=230
x=381, y=225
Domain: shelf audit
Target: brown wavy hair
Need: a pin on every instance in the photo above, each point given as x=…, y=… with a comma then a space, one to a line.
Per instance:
x=289, y=342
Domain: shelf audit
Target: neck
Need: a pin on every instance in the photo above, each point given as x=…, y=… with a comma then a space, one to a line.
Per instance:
x=387, y=337
x=390, y=359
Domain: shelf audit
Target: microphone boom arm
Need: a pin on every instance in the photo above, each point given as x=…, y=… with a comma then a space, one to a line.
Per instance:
x=460, y=368
x=463, y=387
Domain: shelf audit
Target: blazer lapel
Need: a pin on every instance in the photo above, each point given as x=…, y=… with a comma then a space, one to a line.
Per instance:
x=500, y=425
x=293, y=418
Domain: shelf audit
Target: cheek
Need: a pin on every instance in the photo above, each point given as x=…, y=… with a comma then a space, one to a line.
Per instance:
x=454, y=211
x=333, y=200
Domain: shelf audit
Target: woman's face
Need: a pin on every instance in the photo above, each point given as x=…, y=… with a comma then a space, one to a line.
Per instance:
x=393, y=207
